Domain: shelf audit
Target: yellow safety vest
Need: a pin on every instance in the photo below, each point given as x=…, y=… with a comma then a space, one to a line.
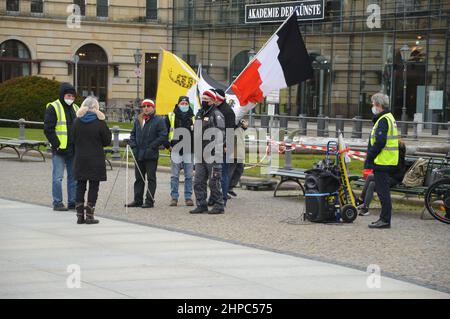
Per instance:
x=171, y=117
x=61, y=124
x=389, y=154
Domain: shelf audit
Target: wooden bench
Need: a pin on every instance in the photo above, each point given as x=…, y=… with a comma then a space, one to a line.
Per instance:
x=28, y=145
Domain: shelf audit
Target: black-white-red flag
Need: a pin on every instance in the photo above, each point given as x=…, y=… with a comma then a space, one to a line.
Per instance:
x=283, y=61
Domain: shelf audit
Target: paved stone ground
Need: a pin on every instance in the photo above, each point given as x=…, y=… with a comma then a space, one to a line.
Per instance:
x=413, y=250
x=42, y=252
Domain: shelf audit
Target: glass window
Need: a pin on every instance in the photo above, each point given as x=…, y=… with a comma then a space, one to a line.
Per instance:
x=190, y=59
x=151, y=10
x=151, y=75
x=12, y=5
x=82, y=5
x=102, y=8
x=15, y=60
x=37, y=6
x=92, y=71
x=238, y=64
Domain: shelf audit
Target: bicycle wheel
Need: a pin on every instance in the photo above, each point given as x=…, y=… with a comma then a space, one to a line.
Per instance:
x=437, y=200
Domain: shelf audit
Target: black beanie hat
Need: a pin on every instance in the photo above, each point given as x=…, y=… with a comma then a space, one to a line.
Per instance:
x=183, y=98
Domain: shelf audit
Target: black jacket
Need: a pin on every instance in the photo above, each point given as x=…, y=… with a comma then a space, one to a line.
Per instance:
x=50, y=120
x=90, y=138
x=380, y=143
x=209, y=117
x=228, y=113
x=182, y=119
x=146, y=139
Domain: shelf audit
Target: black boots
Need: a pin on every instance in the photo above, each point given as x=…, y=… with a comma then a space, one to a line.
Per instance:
x=199, y=210
x=89, y=219
x=79, y=207
x=380, y=224
x=90, y=214
x=147, y=205
x=134, y=204
x=216, y=210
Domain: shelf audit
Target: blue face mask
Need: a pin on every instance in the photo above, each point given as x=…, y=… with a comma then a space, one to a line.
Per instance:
x=184, y=108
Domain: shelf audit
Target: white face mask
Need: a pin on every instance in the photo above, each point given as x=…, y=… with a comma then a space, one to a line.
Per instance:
x=374, y=110
x=68, y=101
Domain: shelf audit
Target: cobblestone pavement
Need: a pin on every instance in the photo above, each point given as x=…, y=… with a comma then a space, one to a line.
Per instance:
x=414, y=250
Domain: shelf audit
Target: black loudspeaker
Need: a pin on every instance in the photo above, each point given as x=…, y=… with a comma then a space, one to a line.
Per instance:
x=320, y=187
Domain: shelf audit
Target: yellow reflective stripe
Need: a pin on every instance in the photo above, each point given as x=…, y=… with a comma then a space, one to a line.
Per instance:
x=172, y=124
x=390, y=148
x=61, y=133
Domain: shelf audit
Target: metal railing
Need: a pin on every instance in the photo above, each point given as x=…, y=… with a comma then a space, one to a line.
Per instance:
x=115, y=130
x=282, y=122
x=300, y=124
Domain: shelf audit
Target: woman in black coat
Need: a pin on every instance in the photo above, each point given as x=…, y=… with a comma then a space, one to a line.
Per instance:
x=91, y=134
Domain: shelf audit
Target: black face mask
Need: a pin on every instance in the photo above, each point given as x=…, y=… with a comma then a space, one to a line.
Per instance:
x=205, y=105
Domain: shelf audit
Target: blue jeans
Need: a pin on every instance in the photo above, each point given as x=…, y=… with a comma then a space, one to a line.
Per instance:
x=59, y=161
x=178, y=163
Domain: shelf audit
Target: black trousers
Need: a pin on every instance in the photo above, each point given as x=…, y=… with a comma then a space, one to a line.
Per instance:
x=148, y=168
x=235, y=171
x=92, y=193
x=369, y=188
x=213, y=173
x=382, y=186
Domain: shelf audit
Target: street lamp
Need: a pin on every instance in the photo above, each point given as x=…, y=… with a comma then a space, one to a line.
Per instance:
x=323, y=64
x=437, y=62
x=251, y=54
x=405, y=54
x=137, y=59
x=76, y=59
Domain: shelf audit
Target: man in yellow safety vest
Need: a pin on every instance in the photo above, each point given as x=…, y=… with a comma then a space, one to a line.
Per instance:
x=383, y=155
x=58, y=128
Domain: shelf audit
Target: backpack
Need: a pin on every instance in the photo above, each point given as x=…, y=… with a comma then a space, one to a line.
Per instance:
x=415, y=176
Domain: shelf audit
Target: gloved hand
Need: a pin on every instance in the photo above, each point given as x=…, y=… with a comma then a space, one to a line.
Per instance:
x=367, y=172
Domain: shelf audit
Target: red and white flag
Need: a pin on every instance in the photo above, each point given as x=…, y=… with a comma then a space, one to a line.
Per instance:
x=283, y=61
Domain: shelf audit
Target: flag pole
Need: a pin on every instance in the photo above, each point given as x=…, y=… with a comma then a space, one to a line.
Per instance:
x=197, y=92
x=265, y=44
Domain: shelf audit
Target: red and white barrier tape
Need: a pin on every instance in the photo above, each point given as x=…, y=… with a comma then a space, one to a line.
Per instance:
x=357, y=155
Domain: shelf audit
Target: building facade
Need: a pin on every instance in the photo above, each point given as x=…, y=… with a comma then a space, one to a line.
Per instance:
x=354, y=49
x=42, y=38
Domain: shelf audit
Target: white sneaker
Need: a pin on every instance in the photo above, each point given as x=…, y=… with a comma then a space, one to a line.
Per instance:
x=363, y=211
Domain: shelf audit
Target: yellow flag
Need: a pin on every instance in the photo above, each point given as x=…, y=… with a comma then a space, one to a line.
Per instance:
x=175, y=79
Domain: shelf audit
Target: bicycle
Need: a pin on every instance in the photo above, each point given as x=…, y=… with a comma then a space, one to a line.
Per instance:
x=437, y=197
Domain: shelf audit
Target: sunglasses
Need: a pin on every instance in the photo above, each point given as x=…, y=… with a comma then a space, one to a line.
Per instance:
x=144, y=106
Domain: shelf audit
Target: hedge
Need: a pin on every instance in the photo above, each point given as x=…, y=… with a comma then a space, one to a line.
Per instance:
x=26, y=97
